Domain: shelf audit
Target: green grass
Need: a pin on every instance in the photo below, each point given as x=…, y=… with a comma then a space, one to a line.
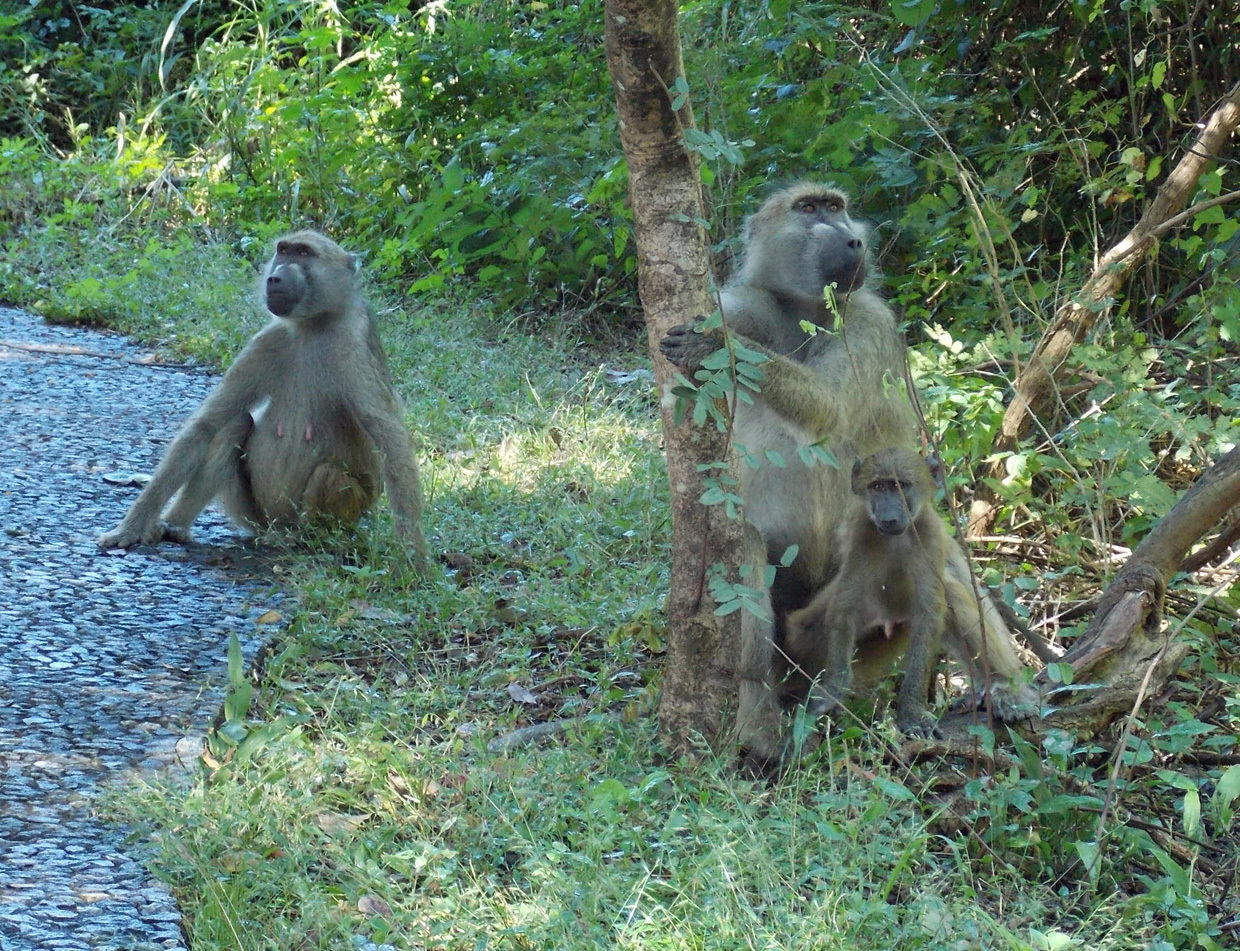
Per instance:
x=353, y=793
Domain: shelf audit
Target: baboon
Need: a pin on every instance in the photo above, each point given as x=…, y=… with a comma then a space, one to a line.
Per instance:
x=831, y=379
x=304, y=423
x=893, y=553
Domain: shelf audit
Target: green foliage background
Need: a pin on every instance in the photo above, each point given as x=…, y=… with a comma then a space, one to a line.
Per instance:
x=469, y=151
x=997, y=147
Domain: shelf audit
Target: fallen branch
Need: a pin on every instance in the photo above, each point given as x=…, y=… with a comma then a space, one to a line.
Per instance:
x=1124, y=646
x=68, y=350
x=1213, y=551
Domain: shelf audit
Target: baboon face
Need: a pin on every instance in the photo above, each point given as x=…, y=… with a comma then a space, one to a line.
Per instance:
x=308, y=275
x=807, y=241
x=894, y=483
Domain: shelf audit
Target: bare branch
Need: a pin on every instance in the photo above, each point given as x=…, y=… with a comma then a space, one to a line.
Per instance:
x=1036, y=386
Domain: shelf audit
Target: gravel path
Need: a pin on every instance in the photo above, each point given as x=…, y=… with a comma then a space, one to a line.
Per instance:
x=110, y=663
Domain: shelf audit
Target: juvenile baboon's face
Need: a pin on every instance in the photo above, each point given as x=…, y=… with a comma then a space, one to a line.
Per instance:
x=894, y=484
x=802, y=240
x=308, y=276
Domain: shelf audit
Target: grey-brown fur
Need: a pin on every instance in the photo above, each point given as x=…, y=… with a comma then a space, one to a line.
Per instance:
x=305, y=422
x=838, y=387
x=888, y=597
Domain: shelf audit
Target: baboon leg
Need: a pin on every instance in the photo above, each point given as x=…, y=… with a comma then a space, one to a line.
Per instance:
x=822, y=639
x=400, y=479
x=759, y=722
x=219, y=475
x=830, y=690
x=984, y=645
x=924, y=639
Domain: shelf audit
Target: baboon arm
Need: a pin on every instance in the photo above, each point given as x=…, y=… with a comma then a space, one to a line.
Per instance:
x=400, y=478
x=185, y=462
x=218, y=426
x=843, y=371
x=797, y=393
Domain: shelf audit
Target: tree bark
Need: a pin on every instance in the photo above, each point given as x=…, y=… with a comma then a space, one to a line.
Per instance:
x=1124, y=647
x=674, y=283
x=1037, y=385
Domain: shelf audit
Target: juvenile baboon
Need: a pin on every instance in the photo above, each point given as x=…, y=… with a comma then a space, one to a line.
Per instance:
x=836, y=384
x=305, y=422
x=888, y=595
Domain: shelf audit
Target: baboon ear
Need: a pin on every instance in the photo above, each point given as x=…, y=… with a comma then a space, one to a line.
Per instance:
x=856, y=471
x=936, y=467
x=354, y=264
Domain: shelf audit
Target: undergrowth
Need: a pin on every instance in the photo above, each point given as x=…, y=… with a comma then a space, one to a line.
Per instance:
x=349, y=793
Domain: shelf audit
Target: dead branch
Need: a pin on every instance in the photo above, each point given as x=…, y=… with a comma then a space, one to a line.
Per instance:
x=1037, y=384
x=69, y=350
x=1213, y=551
x=1124, y=646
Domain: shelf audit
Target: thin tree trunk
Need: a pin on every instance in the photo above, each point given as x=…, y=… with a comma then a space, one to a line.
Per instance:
x=1037, y=385
x=673, y=268
x=1124, y=647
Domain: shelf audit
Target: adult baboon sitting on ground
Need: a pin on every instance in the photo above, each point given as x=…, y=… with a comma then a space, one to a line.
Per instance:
x=305, y=422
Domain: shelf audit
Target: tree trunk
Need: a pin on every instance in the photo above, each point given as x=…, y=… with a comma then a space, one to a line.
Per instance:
x=1037, y=385
x=1124, y=647
x=674, y=282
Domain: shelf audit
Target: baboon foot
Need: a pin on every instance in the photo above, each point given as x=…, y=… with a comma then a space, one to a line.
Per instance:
x=758, y=766
x=824, y=699
x=180, y=534
x=920, y=724
x=126, y=536
x=1011, y=702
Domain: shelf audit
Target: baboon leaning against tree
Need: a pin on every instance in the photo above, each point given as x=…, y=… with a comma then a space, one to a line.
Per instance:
x=839, y=387
x=887, y=597
x=305, y=422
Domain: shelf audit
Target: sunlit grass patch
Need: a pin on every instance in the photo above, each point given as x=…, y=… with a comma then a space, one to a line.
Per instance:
x=354, y=796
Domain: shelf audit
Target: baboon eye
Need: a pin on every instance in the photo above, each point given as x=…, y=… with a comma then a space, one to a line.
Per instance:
x=809, y=207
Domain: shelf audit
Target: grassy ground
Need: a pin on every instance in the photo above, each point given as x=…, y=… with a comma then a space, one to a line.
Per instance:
x=352, y=795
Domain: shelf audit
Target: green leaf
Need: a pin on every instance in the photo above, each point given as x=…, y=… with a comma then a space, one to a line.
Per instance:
x=453, y=175
x=913, y=12
x=1089, y=853
x=610, y=792
x=894, y=790
x=1192, y=812
x=1225, y=793
x=1211, y=216
x=680, y=92
x=1059, y=673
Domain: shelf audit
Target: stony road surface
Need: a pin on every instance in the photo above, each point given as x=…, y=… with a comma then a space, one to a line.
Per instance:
x=110, y=663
